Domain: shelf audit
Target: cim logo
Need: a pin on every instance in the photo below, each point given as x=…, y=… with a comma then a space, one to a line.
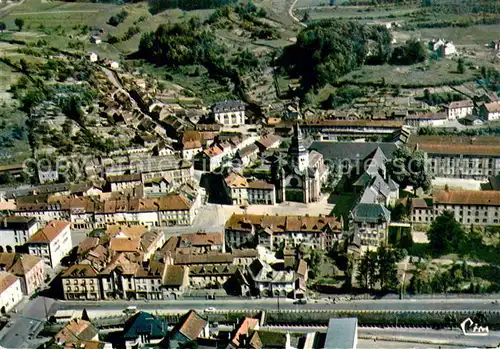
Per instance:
x=469, y=328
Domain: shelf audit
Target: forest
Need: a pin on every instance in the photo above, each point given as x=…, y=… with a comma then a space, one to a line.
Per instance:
x=328, y=49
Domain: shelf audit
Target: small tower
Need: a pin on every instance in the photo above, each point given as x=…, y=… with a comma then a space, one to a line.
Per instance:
x=298, y=154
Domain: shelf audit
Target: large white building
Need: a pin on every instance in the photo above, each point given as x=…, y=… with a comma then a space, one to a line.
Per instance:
x=10, y=291
x=16, y=231
x=229, y=113
x=51, y=243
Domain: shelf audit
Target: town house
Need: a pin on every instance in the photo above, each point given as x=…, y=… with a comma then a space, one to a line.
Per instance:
x=51, y=243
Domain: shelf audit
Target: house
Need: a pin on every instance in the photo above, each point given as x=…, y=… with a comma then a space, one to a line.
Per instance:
x=490, y=111
x=48, y=175
x=261, y=193
x=209, y=159
x=81, y=282
x=268, y=141
x=95, y=39
x=156, y=187
x=190, y=148
x=191, y=326
x=241, y=336
x=435, y=44
x=200, y=243
x=144, y=329
x=93, y=57
x=125, y=181
x=15, y=231
x=268, y=282
x=77, y=330
x=459, y=109
x=51, y=243
x=151, y=242
x=422, y=210
x=10, y=291
x=149, y=279
x=248, y=154
x=29, y=269
x=237, y=189
x=425, y=119
x=229, y=113
x=342, y=333
x=370, y=221
x=171, y=166
x=447, y=49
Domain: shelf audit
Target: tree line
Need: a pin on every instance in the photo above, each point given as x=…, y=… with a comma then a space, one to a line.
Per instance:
x=156, y=6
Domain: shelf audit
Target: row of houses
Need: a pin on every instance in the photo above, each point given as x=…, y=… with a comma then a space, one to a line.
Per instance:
x=238, y=150
x=93, y=212
x=125, y=264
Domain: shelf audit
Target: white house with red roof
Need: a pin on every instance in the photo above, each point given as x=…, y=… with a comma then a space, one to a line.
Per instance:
x=51, y=243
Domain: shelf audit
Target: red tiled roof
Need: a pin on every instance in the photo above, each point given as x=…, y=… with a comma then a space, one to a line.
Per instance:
x=49, y=232
x=467, y=197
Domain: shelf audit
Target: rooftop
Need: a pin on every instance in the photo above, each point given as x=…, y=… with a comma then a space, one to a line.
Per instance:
x=467, y=197
x=192, y=325
x=6, y=280
x=342, y=333
x=48, y=233
x=17, y=263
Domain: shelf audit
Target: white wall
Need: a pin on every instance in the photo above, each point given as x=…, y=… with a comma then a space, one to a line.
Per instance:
x=11, y=296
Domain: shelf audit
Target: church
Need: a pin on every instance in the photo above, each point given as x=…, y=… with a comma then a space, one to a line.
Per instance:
x=299, y=177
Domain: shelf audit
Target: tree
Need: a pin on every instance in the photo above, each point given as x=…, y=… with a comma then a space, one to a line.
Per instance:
x=411, y=52
x=306, y=17
x=367, y=270
x=85, y=316
x=315, y=259
x=445, y=234
x=19, y=22
x=460, y=66
x=408, y=167
x=3, y=26
x=328, y=49
x=387, y=272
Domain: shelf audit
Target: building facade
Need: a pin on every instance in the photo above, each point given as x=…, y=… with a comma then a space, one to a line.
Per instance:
x=10, y=292
x=81, y=282
x=459, y=109
x=51, y=243
x=16, y=231
x=229, y=113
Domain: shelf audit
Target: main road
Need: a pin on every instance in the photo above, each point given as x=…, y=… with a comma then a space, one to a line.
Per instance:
x=286, y=304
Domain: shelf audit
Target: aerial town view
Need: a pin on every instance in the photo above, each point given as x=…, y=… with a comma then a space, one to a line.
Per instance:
x=291, y=174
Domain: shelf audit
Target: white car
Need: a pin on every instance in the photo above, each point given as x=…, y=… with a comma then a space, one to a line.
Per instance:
x=210, y=309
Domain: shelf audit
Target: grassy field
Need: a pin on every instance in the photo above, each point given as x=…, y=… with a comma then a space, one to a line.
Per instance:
x=441, y=71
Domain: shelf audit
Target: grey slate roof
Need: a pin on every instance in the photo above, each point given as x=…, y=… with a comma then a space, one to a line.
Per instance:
x=144, y=324
x=352, y=150
x=226, y=106
x=341, y=333
x=366, y=212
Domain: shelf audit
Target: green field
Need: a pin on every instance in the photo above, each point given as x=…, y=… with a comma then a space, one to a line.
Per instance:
x=439, y=72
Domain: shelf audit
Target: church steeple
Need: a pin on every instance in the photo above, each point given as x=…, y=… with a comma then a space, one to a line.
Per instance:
x=297, y=152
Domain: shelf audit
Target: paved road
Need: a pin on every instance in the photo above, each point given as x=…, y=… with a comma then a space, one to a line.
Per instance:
x=270, y=304
x=27, y=324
